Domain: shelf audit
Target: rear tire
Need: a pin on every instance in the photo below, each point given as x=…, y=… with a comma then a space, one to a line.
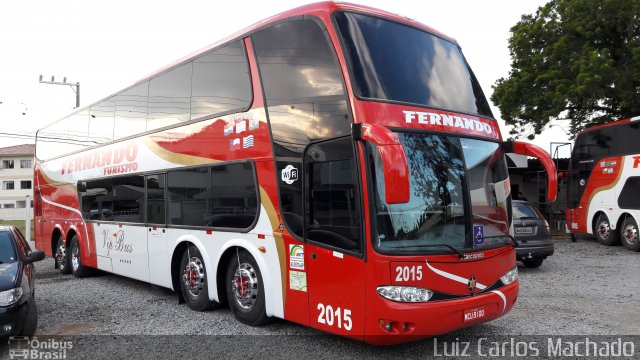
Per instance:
x=77, y=268
x=603, y=232
x=245, y=289
x=63, y=260
x=533, y=263
x=629, y=234
x=194, y=280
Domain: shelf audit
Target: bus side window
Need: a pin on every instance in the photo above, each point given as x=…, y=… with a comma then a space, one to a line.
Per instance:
x=333, y=210
x=305, y=101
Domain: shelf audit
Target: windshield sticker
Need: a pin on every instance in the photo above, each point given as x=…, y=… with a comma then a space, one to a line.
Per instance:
x=289, y=174
x=478, y=234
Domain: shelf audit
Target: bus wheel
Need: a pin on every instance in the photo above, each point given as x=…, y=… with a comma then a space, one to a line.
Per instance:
x=62, y=260
x=602, y=231
x=245, y=290
x=629, y=234
x=77, y=268
x=193, y=280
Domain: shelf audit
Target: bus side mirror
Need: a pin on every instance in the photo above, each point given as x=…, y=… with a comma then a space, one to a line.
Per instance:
x=394, y=160
x=523, y=148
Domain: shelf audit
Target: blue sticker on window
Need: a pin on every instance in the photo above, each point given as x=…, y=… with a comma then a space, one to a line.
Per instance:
x=478, y=234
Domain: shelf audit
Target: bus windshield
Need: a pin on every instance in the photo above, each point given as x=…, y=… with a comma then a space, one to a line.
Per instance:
x=398, y=63
x=446, y=172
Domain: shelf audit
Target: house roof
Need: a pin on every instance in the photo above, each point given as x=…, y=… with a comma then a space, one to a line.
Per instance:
x=24, y=149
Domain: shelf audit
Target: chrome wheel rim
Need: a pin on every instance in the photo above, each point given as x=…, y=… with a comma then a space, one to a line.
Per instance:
x=604, y=230
x=61, y=255
x=75, y=256
x=245, y=286
x=193, y=277
x=630, y=234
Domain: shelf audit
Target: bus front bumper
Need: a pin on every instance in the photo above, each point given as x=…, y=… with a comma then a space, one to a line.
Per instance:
x=391, y=322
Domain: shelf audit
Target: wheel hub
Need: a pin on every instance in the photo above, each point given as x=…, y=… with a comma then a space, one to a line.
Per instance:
x=194, y=276
x=631, y=234
x=603, y=229
x=75, y=256
x=245, y=286
x=61, y=254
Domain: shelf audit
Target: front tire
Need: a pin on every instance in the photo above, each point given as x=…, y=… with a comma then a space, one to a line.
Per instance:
x=603, y=232
x=31, y=321
x=77, y=268
x=629, y=234
x=194, y=281
x=245, y=289
x=63, y=260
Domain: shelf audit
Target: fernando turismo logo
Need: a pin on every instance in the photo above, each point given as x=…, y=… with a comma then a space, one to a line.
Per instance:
x=22, y=347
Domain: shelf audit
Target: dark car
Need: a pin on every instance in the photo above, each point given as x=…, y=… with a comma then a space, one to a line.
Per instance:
x=531, y=232
x=18, y=313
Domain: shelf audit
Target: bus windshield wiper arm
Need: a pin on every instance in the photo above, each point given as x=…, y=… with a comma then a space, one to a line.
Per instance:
x=460, y=253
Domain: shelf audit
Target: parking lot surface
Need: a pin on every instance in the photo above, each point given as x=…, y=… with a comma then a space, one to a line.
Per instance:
x=583, y=289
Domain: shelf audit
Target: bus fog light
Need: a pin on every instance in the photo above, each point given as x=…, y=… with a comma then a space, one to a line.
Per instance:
x=405, y=293
x=510, y=276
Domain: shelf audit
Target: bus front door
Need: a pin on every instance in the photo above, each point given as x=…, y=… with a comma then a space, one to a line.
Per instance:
x=334, y=253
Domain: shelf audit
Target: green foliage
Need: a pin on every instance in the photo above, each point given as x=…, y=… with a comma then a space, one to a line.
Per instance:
x=573, y=59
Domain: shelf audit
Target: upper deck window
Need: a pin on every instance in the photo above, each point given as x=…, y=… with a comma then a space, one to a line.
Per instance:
x=394, y=62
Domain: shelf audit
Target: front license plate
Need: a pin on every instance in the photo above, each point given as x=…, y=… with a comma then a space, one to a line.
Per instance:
x=474, y=314
x=524, y=230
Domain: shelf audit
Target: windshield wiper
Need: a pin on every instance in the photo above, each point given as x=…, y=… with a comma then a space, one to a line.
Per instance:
x=499, y=236
x=460, y=253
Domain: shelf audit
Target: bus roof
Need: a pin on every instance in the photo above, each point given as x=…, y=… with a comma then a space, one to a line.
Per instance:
x=613, y=123
x=314, y=8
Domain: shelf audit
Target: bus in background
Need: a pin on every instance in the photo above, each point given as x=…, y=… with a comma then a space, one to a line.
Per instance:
x=335, y=165
x=603, y=193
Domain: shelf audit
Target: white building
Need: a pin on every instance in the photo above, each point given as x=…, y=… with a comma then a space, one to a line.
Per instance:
x=16, y=181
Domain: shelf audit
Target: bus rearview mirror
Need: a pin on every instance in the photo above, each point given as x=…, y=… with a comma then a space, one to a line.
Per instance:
x=394, y=160
x=523, y=148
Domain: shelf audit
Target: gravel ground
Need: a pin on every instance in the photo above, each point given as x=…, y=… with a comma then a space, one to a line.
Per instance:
x=583, y=289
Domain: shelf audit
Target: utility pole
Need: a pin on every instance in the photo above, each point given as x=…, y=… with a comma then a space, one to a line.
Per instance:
x=75, y=87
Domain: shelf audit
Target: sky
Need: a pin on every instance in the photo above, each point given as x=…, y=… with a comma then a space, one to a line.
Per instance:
x=109, y=45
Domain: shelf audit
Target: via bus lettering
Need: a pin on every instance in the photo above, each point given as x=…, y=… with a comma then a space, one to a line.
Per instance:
x=115, y=241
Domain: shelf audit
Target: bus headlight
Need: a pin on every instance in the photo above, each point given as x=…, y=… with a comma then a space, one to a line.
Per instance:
x=10, y=297
x=405, y=293
x=510, y=276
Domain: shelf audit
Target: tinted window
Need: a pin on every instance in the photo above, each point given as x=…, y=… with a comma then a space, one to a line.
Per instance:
x=221, y=196
x=395, y=62
x=305, y=99
x=334, y=216
x=630, y=195
x=155, y=199
x=221, y=82
x=170, y=97
x=189, y=191
x=7, y=249
x=131, y=111
x=101, y=121
x=118, y=199
x=233, y=203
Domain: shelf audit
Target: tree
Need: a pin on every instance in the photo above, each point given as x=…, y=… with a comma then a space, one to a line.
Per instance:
x=574, y=59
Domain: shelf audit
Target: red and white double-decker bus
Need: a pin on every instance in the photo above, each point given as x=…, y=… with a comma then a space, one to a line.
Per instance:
x=604, y=183
x=335, y=165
